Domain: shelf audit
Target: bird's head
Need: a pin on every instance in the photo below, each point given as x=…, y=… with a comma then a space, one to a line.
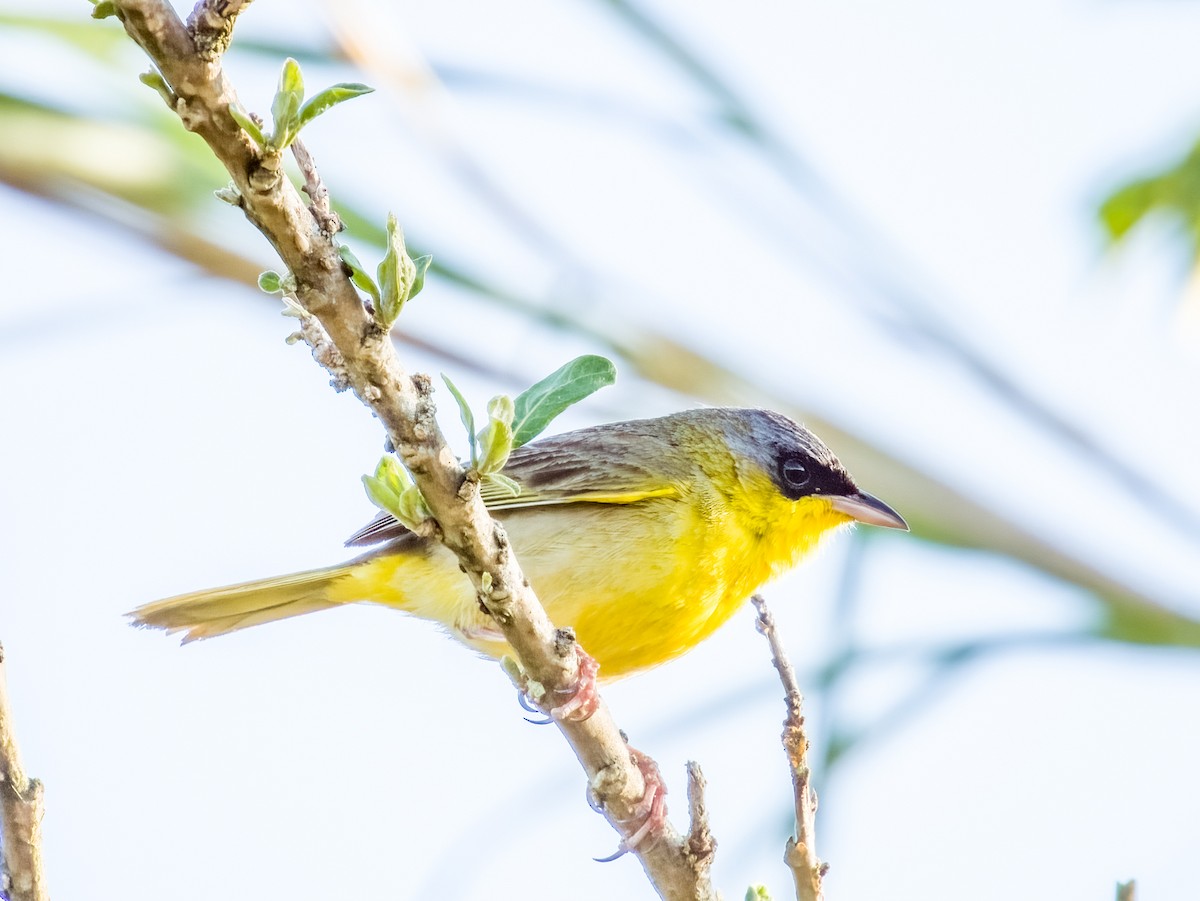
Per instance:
x=794, y=475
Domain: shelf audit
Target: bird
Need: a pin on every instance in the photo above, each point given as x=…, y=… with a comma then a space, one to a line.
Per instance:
x=643, y=536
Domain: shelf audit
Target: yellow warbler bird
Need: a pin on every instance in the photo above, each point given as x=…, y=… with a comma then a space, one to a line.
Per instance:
x=643, y=536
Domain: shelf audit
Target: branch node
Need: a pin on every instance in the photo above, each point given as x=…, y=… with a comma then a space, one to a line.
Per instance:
x=606, y=784
x=324, y=351
x=564, y=642
x=192, y=116
x=425, y=414
x=211, y=26
x=264, y=174
x=701, y=845
x=469, y=487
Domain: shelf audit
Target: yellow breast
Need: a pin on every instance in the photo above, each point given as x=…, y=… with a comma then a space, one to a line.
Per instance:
x=640, y=583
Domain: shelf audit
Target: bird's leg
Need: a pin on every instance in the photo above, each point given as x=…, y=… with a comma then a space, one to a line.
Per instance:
x=651, y=811
x=580, y=701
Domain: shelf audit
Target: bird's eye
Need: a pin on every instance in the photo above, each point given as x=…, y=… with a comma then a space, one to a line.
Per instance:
x=795, y=473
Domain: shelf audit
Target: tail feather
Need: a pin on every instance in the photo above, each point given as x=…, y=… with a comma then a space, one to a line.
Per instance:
x=219, y=611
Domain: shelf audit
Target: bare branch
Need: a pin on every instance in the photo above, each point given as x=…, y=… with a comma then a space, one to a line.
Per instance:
x=403, y=403
x=329, y=221
x=801, y=853
x=22, y=877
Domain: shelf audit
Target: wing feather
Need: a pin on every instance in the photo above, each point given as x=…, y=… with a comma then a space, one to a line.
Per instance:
x=618, y=463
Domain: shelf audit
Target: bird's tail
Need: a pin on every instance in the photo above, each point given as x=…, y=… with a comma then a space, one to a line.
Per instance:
x=218, y=611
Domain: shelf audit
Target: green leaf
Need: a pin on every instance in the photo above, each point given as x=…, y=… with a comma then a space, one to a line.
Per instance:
x=102, y=9
x=249, y=126
x=153, y=79
x=1172, y=194
x=392, y=474
x=498, y=478
x=391, y=489
x=465, y=414
x=379, y=494
x=537, y=406
x=291, y=80
x=1127, y=206
x=285, y=108
x=388, y=275
x=271, y=282
x=358, y=275
x=329, y=98
x=396, y=274
x=421, y=265
x=758, y=893
x=412, y=510
x=496, y=439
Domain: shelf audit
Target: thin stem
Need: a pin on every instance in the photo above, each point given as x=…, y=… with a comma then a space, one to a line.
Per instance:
x=801, y=852
x=23, y=876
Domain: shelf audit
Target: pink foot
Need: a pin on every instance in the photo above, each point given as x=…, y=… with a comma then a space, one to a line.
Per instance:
x=651, y=813
x=583, y=699
x=653, y=807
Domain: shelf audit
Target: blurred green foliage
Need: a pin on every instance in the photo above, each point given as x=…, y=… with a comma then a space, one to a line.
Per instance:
x=1173, y=194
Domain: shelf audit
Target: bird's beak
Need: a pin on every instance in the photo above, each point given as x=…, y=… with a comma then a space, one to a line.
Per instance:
x=867, y=509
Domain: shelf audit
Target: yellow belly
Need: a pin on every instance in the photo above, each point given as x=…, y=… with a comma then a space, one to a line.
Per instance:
x=639, y=583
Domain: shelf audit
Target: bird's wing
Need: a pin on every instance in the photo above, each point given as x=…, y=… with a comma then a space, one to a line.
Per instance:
x=613, y=464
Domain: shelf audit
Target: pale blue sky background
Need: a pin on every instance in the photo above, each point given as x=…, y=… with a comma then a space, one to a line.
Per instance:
x=161, y=437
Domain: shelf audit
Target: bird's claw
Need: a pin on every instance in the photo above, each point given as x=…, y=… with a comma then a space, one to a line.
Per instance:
x=583, y=699
x=527, y=703
x=651, y=812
